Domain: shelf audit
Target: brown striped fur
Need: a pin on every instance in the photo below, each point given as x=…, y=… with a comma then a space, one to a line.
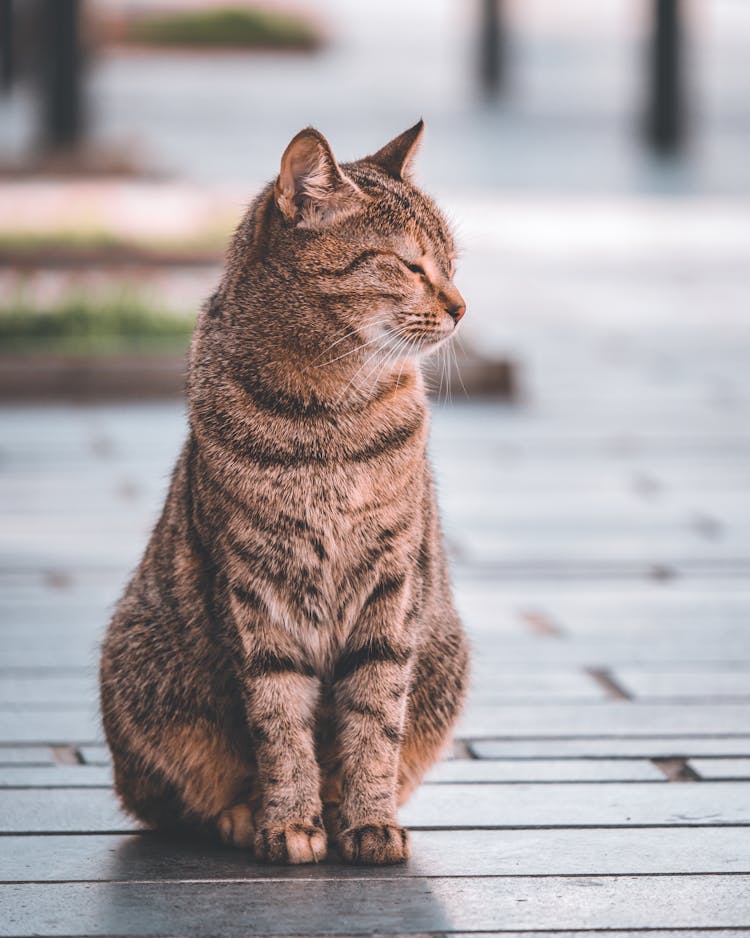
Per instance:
x=288, y=650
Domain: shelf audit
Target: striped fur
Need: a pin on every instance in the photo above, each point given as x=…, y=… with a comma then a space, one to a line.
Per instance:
x=287, y=662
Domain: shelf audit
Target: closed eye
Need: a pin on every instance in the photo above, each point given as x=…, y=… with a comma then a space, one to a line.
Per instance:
x=414, y=268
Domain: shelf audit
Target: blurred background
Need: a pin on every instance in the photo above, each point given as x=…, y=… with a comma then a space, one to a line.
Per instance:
x=593, y=457
x=132, y=135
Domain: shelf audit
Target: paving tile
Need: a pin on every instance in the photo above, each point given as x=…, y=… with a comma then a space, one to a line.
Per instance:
x=51, y=726
x=25, y=755
x=587, y=805
x=54, y=649
x=536, y=686
x=345, y=906
x=539, y=770
x=55, y=776
x=685, y=684
x=595, y=550
x=434, y=806
x=673, y=747
x=148, y=856
x=613, y=718
x=594, y=565
x=652, y=933
x=70, y=689
x=508, y=653
x=95, y=755
x=721, y=768
x=35, y=810
x=628, y=610
x=33, y=613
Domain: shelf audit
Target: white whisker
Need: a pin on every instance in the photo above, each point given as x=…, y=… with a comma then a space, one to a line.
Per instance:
x=358, y=348
x=458, y=370
x=375, y=320
x=390, y=359
x=357, y=373
x=441, y=369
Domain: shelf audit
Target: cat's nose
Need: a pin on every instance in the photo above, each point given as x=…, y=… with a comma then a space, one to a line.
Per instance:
x=456, y=311
x=454, y=303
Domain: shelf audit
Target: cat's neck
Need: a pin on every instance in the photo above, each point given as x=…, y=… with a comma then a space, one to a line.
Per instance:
x=311, y=381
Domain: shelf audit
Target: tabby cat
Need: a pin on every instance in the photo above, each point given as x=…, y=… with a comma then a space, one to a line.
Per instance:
x=287, y=662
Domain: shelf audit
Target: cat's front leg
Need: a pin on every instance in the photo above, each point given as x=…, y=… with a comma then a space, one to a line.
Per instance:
x=371, y=683
x=281, y=694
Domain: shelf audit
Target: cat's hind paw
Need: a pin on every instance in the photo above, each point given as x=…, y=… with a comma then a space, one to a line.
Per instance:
x=294, y=842
x=374, y=843
x=236, y=826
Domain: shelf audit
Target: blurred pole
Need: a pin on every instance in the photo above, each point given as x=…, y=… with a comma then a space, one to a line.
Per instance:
x=61, y=72
x=665, y=114
x=6, y=45
x=491, y=48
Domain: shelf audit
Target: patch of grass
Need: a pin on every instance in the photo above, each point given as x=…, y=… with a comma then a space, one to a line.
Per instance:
x=74, y=238
x=85, y=325
x=70, y=240
x=224, y=27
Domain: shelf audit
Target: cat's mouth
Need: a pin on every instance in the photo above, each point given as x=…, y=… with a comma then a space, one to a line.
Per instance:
x=433, y=339
x=427, y=341
x=413, y=343
x=412, y=340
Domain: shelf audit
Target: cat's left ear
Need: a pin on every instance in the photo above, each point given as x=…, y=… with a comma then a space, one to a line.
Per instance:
x=395, y=157
x=311, y=190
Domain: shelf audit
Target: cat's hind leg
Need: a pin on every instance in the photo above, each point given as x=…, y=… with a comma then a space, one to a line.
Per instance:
x=236, y=825
x=147, y=795
x=190, y=778
x=435, y=701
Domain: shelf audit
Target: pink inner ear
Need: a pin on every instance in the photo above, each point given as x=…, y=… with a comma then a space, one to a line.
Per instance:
x=311, y=189
x=305, y=161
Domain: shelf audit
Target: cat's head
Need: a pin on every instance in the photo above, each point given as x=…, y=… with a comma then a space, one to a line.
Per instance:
x=367, y=257
x=392, y=251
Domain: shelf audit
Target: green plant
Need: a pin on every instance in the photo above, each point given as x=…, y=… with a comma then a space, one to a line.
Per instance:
x=121, y=322
x=225, y=26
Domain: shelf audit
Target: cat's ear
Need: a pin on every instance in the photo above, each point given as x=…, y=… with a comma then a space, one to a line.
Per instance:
x=395, y=157
x=311, y=190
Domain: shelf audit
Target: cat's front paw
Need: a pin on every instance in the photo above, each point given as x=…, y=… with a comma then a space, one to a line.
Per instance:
x=374, y=843
x=293, y=842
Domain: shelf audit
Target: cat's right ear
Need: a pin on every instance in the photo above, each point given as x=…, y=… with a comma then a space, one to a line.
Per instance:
x=311, y=190
x=395, y=157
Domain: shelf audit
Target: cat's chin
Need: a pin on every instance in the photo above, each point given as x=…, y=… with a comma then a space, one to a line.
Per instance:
x=420, y=345
x=430, y=343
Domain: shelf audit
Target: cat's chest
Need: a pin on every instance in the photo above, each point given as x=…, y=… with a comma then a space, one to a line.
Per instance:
x=347, y=529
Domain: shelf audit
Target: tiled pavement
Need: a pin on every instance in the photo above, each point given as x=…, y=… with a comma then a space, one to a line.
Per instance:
x=600, y=536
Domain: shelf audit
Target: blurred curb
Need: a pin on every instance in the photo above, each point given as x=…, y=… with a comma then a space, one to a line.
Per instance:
x=468, y=374
x=32, y=377
x=54, y=377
